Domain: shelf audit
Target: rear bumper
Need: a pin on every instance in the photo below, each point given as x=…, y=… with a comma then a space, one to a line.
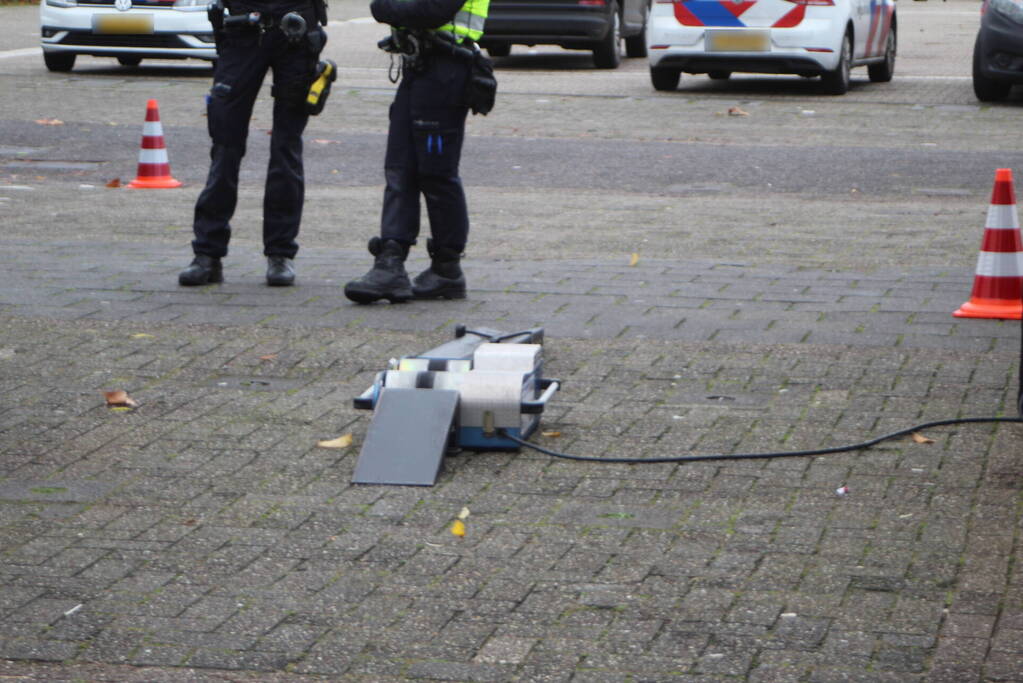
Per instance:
x=177, y=34
x=530, y=27
x=763, y=65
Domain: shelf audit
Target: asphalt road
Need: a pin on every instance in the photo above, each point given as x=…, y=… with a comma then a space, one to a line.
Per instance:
x=808, y=164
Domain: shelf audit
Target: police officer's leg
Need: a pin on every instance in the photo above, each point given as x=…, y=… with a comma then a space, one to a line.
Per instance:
x=241, y=66
x=439, y=117
x=293, y=67
x=399, y=220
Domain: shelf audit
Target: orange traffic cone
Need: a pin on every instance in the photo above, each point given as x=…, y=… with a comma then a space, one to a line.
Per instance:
x=998, y=285
x=154, y=166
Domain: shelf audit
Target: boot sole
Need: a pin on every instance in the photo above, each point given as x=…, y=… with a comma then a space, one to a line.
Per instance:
x=214, y=280
x=455, y=294
x=364, y=297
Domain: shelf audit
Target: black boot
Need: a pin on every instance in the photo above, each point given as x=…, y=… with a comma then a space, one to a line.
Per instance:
x=280, y=271
x=203, y=270
x=387, y=279
x=444, y=278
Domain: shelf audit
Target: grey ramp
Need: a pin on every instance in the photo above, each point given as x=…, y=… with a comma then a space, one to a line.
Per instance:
x=407, y=437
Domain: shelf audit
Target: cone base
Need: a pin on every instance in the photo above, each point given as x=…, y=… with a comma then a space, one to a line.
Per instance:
x=995, y=309
x=154, y=183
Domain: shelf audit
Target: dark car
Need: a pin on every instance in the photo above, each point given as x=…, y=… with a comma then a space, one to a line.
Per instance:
x=998, y=52
x=597, y=25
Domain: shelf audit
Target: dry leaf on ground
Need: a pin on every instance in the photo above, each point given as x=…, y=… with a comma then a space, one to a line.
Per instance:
x=120, y=398
x=343, y=441
x=920, y=438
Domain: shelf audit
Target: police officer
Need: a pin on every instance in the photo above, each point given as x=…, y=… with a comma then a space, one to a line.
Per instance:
x=424, y=145
x=257, y=36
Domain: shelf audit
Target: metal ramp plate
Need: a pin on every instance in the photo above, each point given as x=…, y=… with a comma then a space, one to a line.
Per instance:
x=407, y=437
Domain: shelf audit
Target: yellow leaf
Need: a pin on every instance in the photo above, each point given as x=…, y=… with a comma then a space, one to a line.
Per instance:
x=458, y=528
x=551, y=433
x=343, y=441
x=920, y=438
x=634, y=260
x=141, y=335
x=464, y=514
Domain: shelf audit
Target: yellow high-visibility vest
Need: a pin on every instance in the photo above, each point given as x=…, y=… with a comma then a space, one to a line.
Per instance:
x=468, y=21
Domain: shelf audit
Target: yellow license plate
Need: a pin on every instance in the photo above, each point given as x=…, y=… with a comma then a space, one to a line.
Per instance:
x=114, y=23
x=738, y=41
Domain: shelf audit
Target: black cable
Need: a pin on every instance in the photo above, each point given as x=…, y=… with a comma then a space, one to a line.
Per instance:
x=750, y=456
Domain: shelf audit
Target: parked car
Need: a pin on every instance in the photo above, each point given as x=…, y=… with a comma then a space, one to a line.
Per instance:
x=823, y=38
x=597, y=25
x=128, y=30
x=998, y=52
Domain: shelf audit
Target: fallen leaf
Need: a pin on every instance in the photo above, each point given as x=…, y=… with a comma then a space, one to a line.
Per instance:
x=551, y=433
x=116, y=182
x=463, y=514
x=634, y=259
x=920, y=438
x=343, y=441
x=269, y=357
x=141, y=335
x=120, y=398
x=735, y=111
x=458, y=528
x=49, y=122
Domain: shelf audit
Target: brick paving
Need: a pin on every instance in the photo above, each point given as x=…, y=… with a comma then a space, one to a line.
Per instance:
x=205, y=536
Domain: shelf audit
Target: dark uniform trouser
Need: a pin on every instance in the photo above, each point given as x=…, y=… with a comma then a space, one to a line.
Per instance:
x=242, y=62
x=424, y=146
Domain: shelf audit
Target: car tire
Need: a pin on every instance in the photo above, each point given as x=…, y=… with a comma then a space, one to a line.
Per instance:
x=608, y=53
x=837, y=82
x=882, y=72
x=129, y=61
x=59, y=61
x=499, y=50
x=986, y=89
x=664, y=78
x=719, y=75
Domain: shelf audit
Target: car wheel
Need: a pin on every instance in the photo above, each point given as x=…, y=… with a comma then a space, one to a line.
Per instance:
x=608, y=53
x=837, y=82
x=499, y=50
x=635, y=46
x=986, y=89
x=719, y=75
x=129, y=61
x=59, y=61
x=664, y=79
x=883, y=71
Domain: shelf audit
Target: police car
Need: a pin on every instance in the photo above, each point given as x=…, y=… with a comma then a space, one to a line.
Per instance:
x=128, y=30
x=823, y=38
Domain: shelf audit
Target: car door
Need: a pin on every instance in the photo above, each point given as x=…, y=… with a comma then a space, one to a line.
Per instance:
x=871, y=23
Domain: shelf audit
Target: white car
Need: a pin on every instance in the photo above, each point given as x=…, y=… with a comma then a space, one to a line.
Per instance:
x=822, y=38
x=130, y=30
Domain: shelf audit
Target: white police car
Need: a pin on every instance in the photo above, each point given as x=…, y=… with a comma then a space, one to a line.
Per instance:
x=806, y=37
x=129, y=30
